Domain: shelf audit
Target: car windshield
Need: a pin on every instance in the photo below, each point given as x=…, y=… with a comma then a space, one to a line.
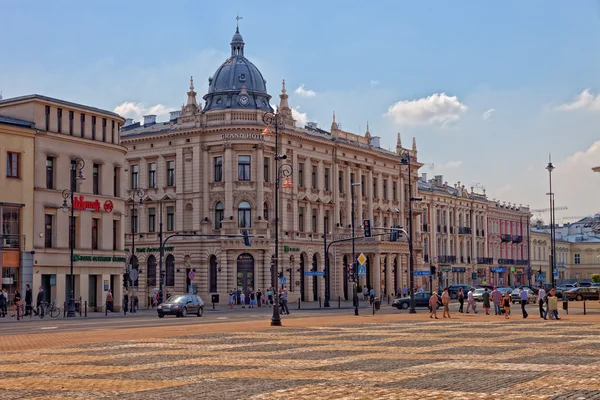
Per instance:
x=178, y=299
x=477, y=291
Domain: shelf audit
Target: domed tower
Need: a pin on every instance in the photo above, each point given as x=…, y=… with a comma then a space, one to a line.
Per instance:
x=237, y=83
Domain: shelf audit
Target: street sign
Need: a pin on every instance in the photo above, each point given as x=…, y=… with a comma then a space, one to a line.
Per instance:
x=362, y=270
x=133, y=275
x=422, y=273
x=446, y=268
x=362, y=259
x=555, y=271
x=191, y=275
x=282, y=281
x=314, y=273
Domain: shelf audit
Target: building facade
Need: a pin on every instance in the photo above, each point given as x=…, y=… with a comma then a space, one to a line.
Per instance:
x=16, y=202
x=64, y=133
x=209, y=170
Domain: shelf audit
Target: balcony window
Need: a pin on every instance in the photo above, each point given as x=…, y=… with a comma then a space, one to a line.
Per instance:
x=95, y=222
x=96, y=179
x=314, y=177
x=49, y=173
x=219, y=215
x=362, y=185
x=82, y=124
x=116, y=190
x=171, y=173
x=266, y=169
x=394, y=195
x=577, y=258
x=301, y=219
x=152, y=175
x=243, y=168
x=71, y=117
x=47, y=118
x=218, y=169
x=326, y=178
x=104, y=129
x=301, y=174
x=244, y=215
x=170, y=218
x=48, y=230
x=385, y=193
x=314, y=220
x=266, y=212
x=93, y=127
x=59, y=120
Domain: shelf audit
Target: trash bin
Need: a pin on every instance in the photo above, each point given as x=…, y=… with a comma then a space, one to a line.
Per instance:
x=377, y=303
x=565, y=304
x=215, y=299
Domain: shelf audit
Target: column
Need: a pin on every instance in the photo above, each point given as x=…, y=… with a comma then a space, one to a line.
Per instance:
x=223, y=284
x=485, y=236
x=447, y=235
x=389, y=283
x=473, y=239
x=433, y=229
x=118, y=293
x=294, y=197
x=320, y=224
x=349, y=190
x=228, y=168
x=370, y=194
x=456, y=239
x=358, y=202
x=377, y=274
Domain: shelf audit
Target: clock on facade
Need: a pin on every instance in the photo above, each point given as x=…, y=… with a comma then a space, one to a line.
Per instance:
x=243, y=100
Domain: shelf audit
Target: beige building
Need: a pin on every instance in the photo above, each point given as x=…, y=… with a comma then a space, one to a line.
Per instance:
x=66, y=131
x=210, y=171
x=16, y=202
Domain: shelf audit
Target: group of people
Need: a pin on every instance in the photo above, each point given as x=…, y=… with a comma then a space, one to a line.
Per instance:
x=501, y=302
x=260, y=299
x=24, y=305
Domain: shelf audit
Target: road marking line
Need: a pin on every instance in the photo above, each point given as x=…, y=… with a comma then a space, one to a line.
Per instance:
x=222, y=317
x=50, y=327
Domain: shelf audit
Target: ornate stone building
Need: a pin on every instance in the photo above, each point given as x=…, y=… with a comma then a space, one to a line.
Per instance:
x=210, y=171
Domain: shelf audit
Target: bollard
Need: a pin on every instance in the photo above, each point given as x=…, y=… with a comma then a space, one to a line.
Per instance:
x=298, y=303
x=105, y=308
x=584, y=310
x=339, y=302
x=319, y=301
x=80, y=306
x=85, y=309
x=64, y=309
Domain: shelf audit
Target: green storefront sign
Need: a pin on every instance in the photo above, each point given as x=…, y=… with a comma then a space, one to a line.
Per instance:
x=150, y=249
x=287, y=249
x=77, y=257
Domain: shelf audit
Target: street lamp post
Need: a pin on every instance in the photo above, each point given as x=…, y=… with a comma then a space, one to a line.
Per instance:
x=405, y=160
x=139, y=193
x=76, y=175
x=283, y=171
x=354, y=265
x=550, y=168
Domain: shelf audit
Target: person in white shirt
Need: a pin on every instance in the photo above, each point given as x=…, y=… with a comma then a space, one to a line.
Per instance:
x=541, y=299
x=471, y=301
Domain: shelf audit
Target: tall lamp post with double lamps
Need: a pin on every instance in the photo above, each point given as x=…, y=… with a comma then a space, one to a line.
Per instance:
x=550, y=168
x=139, y=193
x=76, y=176
x=283, y=171
x=354, y=265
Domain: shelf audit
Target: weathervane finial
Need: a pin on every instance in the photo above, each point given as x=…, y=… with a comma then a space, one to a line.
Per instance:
x=237, y=23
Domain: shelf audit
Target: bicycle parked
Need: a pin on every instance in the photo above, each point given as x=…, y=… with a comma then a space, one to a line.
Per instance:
x=48, y=309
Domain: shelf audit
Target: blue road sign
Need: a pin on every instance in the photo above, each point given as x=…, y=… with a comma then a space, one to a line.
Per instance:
x=422, y=273
x=362, y=270
x=282, y=281
x=314, y=273
x=555, y=271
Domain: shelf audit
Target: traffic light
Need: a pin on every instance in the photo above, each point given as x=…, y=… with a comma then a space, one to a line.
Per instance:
x=432, y=271
x=246, y=237
x=393, y=235
x=367, y=228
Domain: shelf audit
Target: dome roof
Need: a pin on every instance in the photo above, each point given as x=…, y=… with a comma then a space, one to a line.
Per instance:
x=237, y=83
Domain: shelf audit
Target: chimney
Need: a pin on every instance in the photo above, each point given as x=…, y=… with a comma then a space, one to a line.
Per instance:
x=149, y=119
x=376, y=141
x=128, y=121
x=173, y=115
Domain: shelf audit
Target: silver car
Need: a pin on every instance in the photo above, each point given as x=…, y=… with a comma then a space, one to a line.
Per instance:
x=478, y=294
x=515, y=296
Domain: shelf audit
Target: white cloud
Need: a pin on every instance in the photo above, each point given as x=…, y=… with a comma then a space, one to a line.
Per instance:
x=586, y=100
x=305, y=92
x=435, y=109
x=488, y=113
x=130, y=109
x=300, y=117
x=373, y=82
x=450, y=164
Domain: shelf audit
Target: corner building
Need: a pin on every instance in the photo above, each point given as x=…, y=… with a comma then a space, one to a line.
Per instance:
x=64, y=131
x=210, y=171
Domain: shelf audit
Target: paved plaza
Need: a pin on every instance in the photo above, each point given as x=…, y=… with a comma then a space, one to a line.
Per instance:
x=337, y=357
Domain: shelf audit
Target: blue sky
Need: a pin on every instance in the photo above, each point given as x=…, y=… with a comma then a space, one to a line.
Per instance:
x=428, y=69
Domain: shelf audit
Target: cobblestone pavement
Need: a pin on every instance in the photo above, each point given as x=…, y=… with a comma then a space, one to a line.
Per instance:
x=398, y=359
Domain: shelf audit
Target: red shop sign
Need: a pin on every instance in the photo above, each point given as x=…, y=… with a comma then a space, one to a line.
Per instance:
x=80, y=203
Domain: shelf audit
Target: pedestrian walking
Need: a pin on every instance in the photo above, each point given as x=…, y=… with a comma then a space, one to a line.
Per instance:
x=109, y=300
x=471, y=301
x=270, y=296
x=506, y=305
x=126, y=301
x=258, y=297
x=38, y=303
x=461, y=300
x=243, y=299
x=231, y=299
x=3, y=303
x=365, y=293
x=497, y=299
x=541, y=299
x=28, y=299
x=18, y=302
x=486, y=301
x=552, y=305
x=433, y=303
x=252, y=297
x=524, y=296
x=283, y=300
x=446, y=302
x=153, y=299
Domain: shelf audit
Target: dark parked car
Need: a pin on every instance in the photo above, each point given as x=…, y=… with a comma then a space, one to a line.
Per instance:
x=584, y=284
x=453, y=290
x=421, y=300
x=582, y=293
x=563, y=288
x=182, y=305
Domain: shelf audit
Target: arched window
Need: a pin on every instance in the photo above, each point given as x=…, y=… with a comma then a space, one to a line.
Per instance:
x=170, y=270
x=219, y=215
x=213, y=274
x=266, y=211
x=151, y=271
x=244, y=215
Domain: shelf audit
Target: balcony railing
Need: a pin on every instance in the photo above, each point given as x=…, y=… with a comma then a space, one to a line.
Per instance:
x=12, y=242
x=447, y=259
x=506, y=238
x=506, y=261
x=464, y=230
x=517, y=239
x=485, y=260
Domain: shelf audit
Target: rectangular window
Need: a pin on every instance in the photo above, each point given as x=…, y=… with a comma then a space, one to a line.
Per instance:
x=314, y=177
x=170, y=219
x=12, y=165
x=152, y=219
x=71, y=116
x=326, y=176
x=362, y=185
x=134, y=176
x=341, y=181
x=326, y=221
x=116, y=181
x=301, y=219
x=93, y=127
x=152, y=175
x=394, y=195
x=95, y=222
x=115, y=234
x=171, y=173
x=48, y=231
x=134, y=221
x=577, y=258
x=314, y=220
x=219, y=215
x=96, y=179
x=218, y=169
x=82, y=121
x=266, y=169
x=301, y=174
x=385, y=193
x=11, y=226
x=59, y=120
x=243, y=168
x=47, y=118
x=73, y=173
x=104, y=129
x=49, y=173
x=112, y=132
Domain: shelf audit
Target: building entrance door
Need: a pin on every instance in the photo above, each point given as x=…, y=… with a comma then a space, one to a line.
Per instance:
x=245, y=274
x=92, y=286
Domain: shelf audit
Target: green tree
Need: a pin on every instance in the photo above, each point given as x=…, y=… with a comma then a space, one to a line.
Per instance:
x=596, y=278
